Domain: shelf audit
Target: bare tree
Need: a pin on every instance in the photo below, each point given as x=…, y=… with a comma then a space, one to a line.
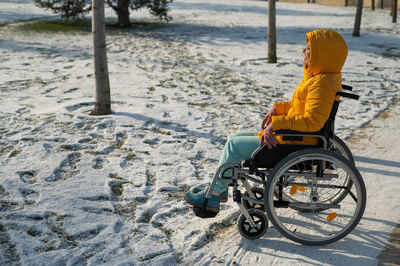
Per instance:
x=357, y=23
x=271, y=32
x=102, y=83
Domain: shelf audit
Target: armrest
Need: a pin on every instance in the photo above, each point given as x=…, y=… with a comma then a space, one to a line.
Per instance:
x=287, y=132
x=298, y=136
x=347, y=87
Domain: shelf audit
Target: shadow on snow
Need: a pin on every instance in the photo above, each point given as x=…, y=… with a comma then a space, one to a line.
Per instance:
x=359, y=250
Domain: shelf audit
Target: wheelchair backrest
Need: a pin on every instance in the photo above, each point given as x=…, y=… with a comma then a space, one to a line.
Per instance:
x=329, y=128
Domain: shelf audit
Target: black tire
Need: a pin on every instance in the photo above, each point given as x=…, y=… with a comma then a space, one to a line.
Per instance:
x=259, y=219
x=322, y=222
x=339, y=146
x=259, y=194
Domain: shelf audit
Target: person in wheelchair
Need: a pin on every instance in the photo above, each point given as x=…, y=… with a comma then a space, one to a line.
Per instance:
x=324, y=55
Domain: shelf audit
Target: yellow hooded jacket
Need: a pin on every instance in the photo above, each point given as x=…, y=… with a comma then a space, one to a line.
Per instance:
x=313, y=99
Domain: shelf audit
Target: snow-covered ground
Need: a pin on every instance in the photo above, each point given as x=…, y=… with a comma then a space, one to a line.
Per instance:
x=77, y=189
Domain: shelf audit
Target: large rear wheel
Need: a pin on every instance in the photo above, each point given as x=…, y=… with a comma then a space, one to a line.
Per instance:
x=301, y=197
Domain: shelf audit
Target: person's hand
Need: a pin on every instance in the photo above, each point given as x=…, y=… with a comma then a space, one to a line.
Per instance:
x=268, y=138
x=268, y=117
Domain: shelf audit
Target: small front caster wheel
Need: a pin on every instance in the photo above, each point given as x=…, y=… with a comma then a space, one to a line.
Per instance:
x=260, y=222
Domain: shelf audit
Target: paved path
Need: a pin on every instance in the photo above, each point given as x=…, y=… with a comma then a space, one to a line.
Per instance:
x=382, y=160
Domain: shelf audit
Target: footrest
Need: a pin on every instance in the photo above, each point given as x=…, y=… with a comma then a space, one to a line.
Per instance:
x=203, y=213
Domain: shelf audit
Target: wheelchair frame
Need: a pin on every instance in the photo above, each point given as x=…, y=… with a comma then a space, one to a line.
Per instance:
x=276, y=191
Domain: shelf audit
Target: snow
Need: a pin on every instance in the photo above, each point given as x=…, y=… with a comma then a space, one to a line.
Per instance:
x=77, y=189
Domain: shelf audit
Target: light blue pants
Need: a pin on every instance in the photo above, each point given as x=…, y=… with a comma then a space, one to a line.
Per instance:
x=238, y=147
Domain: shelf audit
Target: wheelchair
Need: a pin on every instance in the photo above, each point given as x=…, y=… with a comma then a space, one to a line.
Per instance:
x=314, y=195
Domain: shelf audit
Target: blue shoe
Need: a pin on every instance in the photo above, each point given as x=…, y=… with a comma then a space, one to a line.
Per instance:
x=197, y=200
x=200, y=188
x=223, y=197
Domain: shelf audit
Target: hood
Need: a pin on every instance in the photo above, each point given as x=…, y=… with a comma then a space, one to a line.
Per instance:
x=328, y=52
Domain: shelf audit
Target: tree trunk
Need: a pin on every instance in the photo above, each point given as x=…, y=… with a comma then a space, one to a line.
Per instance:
x=381, y=4
x=102, y=83
x=357, y=23
x=123, y=13
x=394, y=11
x=346, y=2
x=373, y=4
x=271, y=32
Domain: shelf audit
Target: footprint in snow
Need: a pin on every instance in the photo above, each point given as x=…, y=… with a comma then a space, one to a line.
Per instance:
x=27, y=176
x=98, y=163
x=67, y=168
x=30, y=196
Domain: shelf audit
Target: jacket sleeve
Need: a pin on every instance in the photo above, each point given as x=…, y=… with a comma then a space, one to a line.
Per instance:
x=282, y=108
x=318, y=106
